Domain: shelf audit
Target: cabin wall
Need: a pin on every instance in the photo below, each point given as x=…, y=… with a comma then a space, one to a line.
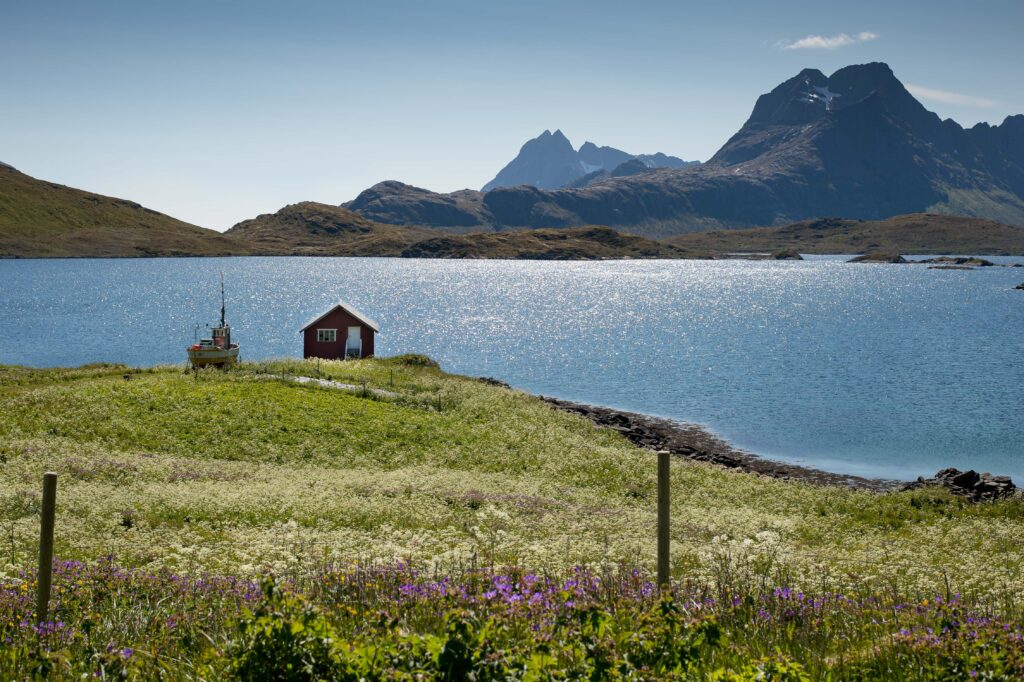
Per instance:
x=340, y=320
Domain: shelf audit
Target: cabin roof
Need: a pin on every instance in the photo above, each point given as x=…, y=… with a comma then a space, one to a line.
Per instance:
x=348, y=308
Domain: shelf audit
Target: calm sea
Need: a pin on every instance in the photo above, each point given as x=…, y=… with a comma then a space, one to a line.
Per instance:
x=878, y=370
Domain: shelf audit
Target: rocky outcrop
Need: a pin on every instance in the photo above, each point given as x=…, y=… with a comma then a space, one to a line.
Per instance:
x=878, y=257
x=970, y=262
x=970, y=484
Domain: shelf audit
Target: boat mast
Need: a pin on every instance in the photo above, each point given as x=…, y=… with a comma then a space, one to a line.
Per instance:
x=222, y=299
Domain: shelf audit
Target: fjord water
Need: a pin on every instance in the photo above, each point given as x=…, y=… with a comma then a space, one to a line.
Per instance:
x=879, y=370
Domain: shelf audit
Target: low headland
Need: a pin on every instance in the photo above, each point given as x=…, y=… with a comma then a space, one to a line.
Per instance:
x=216, y=523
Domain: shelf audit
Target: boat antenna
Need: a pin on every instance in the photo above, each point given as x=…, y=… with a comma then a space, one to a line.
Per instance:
x=222, y=299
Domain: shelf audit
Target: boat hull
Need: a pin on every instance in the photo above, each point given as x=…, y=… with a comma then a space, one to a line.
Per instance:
x=215, y=357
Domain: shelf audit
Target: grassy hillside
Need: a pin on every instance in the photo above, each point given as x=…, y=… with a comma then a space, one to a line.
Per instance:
x=235, y=471
x=435, y=514
x=43, y=219
x=916, y=233
x=313, y=229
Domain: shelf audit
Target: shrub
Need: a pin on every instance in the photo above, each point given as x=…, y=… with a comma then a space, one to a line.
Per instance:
x=283, y=638
x=413, y=360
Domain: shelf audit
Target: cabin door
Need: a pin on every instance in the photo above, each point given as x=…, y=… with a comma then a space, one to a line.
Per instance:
x=354, y=344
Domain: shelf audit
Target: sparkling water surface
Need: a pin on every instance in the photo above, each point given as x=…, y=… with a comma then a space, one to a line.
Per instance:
x=880, y=370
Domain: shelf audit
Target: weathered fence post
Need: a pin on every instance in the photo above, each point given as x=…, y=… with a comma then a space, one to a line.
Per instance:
x=663, y=518
x=46, y=546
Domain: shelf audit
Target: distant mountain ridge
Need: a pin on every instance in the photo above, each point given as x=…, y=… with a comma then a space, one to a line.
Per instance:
x=855, y=144
x=549, y=161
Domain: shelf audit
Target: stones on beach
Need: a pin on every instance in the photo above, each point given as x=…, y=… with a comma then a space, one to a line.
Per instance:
x=692, y=442
x=491, y=381
x=970, y=484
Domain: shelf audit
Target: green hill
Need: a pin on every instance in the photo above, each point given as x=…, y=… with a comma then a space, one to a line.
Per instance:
x=40, y=219
x=314, y=229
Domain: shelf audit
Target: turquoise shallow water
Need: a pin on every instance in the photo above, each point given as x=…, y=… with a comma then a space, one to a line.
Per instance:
x=878, y=370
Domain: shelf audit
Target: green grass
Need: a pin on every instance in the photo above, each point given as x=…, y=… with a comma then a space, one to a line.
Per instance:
x=246, y=471
x=40, y=219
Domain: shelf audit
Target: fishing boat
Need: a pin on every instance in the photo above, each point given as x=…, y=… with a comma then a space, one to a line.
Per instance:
x=218, y=350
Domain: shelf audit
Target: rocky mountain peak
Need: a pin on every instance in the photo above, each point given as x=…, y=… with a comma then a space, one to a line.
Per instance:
x=549, y=161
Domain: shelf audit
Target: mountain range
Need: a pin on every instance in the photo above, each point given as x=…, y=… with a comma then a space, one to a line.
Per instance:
x=40, y=219
x=549, y=161
x=855, y=144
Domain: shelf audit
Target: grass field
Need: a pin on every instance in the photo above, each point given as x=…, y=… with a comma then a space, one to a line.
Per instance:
x=247, y=473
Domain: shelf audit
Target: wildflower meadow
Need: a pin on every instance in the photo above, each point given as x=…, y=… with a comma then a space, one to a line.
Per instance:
x=429, y=526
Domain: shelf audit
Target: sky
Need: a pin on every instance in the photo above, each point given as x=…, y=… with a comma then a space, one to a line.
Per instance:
x=216, y=111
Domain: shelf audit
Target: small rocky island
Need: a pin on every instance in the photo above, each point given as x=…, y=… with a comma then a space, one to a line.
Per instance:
x=878, y=257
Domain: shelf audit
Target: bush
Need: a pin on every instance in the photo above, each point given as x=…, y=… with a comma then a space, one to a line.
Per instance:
x=413, y=360
x=283, y=638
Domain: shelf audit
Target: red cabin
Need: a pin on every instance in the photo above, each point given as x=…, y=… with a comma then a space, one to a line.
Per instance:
x=341, y=332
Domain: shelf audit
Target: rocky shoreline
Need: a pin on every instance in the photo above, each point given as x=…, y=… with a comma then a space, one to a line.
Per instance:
x=693, y=442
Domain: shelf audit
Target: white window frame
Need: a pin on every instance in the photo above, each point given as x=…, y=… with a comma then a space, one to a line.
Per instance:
x=320, y=336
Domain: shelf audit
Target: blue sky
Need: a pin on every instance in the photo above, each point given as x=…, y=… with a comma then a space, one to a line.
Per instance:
x=216, y=111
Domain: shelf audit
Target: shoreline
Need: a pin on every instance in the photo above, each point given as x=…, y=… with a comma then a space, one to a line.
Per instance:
x=695, y=443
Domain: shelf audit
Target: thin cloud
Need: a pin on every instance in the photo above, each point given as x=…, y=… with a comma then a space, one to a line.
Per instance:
x=949, y=97
x=813, y=42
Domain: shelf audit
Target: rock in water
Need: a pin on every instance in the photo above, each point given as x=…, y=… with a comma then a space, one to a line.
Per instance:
x=878, y=257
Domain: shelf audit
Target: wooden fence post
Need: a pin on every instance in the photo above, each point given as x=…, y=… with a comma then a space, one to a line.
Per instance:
x=46, y=546
x=663, y=518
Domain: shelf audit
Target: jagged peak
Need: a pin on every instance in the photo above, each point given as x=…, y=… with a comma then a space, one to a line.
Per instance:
x=879, y=70
x=548, y=139
x=1013, y=121
x=813, y=75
